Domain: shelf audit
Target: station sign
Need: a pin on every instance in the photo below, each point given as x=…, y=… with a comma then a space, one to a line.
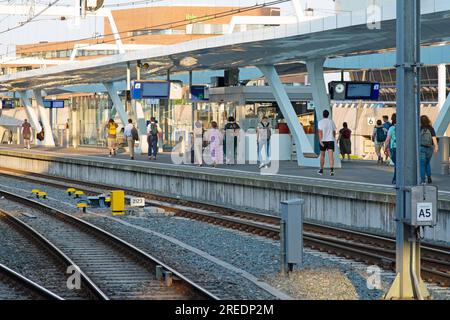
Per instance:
x=56, y=104
x=352, y=90
x=7, y=104
x=150, y=90
x=137, y=202
x=199, y=93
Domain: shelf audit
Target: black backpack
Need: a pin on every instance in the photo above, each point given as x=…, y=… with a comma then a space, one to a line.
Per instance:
x=380, y=134
x=134, y=134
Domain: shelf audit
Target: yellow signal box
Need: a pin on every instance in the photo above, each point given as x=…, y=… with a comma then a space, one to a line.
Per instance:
x=117, y=202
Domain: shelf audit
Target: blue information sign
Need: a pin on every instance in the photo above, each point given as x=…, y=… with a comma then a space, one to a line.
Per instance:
x=199, y=93
x=150, y=90
x=53, y=103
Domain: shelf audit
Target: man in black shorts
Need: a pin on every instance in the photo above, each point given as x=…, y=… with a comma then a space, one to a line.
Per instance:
x=327, y=134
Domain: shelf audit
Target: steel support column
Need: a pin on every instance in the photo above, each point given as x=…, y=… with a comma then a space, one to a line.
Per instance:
x=117, y=102
x=408, y=283
x=320, y=97
x=32, y=117
x=140, y=117
x=305, y=152
x=44, y=117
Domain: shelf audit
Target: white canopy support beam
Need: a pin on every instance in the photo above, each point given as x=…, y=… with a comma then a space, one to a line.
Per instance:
x=305, y=151
x=115, y=32
x=45, y=120
x=319, y=91
x=443, y=118
x=118, y=105
x=320, y=96
x=32, y=117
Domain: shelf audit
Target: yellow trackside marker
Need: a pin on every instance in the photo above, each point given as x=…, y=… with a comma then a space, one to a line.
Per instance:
x=42, y=194
x=70, y=191
x=78, y=193
x=83, y=206
x=117, y=202
x=35, y=191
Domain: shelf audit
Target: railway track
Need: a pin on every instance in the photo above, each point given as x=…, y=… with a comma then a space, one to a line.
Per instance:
x=28, y=252
x=365, y=247
x=112, y=267
x=14, y=286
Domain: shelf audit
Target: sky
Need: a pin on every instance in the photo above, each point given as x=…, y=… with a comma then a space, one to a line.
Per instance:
x=47, y=28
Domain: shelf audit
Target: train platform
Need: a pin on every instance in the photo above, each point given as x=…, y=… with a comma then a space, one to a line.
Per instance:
x=354, y=171
x=359, y=196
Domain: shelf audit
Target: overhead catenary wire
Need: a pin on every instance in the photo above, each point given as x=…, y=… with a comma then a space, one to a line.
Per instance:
x=171, y=24
x=23, y=23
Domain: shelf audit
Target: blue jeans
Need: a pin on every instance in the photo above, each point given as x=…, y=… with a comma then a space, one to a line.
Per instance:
x=393, y=152
x=152, y=145
x=263, y=159
x=425, y=158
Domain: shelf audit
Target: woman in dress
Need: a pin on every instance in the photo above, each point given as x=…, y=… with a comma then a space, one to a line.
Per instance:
x=214, y=137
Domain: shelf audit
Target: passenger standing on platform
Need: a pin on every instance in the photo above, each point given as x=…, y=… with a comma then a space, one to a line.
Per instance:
x=327, y=134
x=152, y=138
x=231, y=139
x=345, y=144
x=263, y=134
x=379, y=137
x=428, y=144
x=214, y=137
x=390, y=145
x=131, y=135
x=26, y=133
x=198, y=143
x=386, y=123
x=111, y=128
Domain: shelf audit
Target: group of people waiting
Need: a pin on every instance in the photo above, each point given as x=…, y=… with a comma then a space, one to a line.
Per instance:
x=384, y=138
x=131, y=135
x=225, y=142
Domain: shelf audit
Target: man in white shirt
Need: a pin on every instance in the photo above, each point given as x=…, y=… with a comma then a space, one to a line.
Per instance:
x=327, y=133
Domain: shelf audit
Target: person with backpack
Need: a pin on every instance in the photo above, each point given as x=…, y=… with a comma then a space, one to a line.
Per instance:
x=263, y=133
x=152, y=138
x=379, y=137
x=386, y=123
x=345, y=145
x=428, y=145
x=131, y=135
x=390, y=145
x=230, y=141
x=111, y=129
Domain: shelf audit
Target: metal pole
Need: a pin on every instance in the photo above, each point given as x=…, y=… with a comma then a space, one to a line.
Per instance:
x=192, y=103
x=408, y=102
x=283, y=247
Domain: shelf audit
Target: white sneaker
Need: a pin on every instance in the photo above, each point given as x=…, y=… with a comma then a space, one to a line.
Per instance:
x=262, y=165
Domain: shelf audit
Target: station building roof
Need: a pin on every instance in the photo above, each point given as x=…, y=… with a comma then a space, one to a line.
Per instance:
x=335, y=36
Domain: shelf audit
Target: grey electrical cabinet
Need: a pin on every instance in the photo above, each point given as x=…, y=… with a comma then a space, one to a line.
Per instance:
x=291, y=213
x=422, y=202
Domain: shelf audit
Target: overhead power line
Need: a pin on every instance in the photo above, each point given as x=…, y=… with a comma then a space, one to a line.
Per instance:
x=171, y=24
